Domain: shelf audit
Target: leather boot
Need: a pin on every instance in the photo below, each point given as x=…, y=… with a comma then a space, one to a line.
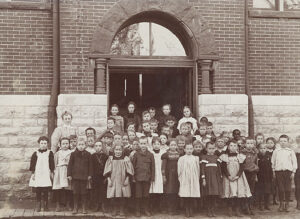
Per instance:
x=229, y=212
x=57, y=209
x=138, y=207
x=286, y=206
x=191, y=211
x=122, y=206
x=237, y=212
x=38, y=206
x=146, y=207
x=213, y=214
x=84, y=204
x=113, y=208
x=281, y=207
x=75, y=209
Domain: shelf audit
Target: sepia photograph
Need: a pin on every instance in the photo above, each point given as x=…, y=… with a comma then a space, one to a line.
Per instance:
x=149, y=109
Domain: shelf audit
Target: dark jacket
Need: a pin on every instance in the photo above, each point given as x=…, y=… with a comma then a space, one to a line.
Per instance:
x=98, y=163
x=144, y=167
x=80, y=165
x=33, y=161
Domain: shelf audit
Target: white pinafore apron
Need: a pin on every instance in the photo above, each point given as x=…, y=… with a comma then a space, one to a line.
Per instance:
x=42, y=171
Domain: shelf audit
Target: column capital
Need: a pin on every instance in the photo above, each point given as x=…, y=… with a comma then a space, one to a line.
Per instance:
x=205, y=64
x=101, y=61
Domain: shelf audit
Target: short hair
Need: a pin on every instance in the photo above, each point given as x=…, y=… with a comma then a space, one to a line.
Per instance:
x=231, y=141
x=143, y=138
x=64, y=138
x=130, y=123
x=164, y=135
x=43, y=138
x=155, y=139
x=151, y=108
x=153, y=121
x=73, y=137
x=183, y=124
x=169, y=105
x=165, y=126
x=259, y=134
x=107, y=135
x=249, y=139
x=262, y=144
x=209, y=124
x=65, y=114
x=145, y=121
x=131, y=103
x=172, y=139
x=208, y=143
x=112, y=119
x=284, y=136
x=93, y=137
x=203, y=119
x=236, y=132
x=202, y=124
x=188, y=144
x=145, y=112
x=170, y=118
x=180, y=138
x=90, y=128
x=196, y=142
x=81, y=139
x=272, y=139
x=114, y=105
x=189, y=123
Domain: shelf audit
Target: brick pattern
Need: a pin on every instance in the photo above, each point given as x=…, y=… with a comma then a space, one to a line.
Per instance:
x=274, y=56
x=25, y=51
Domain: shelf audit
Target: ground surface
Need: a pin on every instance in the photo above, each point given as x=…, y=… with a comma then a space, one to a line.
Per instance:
x=25, y=210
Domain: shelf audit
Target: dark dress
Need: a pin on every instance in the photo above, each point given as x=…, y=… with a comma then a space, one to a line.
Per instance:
x=211, y=168
x=134, y=118
x=169, y=170
x=265, y=174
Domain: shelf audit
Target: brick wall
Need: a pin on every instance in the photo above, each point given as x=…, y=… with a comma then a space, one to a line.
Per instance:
x=274, y=56
x=25, y=51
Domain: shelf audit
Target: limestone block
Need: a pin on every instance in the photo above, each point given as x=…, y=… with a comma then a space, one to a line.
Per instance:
x=42, y=122
x=277, y=111
x=34, y=130
x=101, y=112
x=226, y=120
x=36, y=112
x=82, y=100
x=11, y=154
x=3, y=141
x=5, y=122
x=11, y=112
x=211, y=110
x=24, y=122
x=101, y=122
x=207, y=99
x=242, y=120
x=75, y=111
x=269, y=129
x=291, y=129
x=27, y=141
x=236, y=110
x=266, y=120
x=28, y=153
x=83, y=122
x=10, y=131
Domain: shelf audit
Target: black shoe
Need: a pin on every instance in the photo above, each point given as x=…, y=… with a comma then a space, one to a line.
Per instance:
x=286, y=207
x=229, y=212
x=281, y=207
x=38, y=206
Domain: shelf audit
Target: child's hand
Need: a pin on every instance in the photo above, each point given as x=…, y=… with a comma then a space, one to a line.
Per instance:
x=204, y=182
x=109, y=182
x=164, y=180
x=231, y=178
x=126, y=182
x=70, y=178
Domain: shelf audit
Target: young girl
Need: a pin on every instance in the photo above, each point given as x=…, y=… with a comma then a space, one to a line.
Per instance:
x=189, y=177
x=297, y=174
x=131, y=116
x=118, y=169
x=42, y=167
x=60, y=182
x=271, y=146
x=235, y=184
x=264, y=176
x=187, y=117
x=156, y=187
x=90, y=145
x=164, y=140
x=119, y=120
x=211, y=177
x=250, y=169
x=180, y=144
x=170, y=176
x=259, y=139
x=99, y=184
x=184, y=130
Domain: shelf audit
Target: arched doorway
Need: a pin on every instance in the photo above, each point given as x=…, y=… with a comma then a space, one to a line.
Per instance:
x=166, y=77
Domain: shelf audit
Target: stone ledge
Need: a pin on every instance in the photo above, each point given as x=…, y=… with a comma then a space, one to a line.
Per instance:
x=82, y=100
x=223, y=99
x=276, y=100
x=24, y=100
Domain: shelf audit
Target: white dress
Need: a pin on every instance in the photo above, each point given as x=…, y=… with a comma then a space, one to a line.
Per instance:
x=157, y=186
x=61, y=161
x=191, y=120
x=42, y=171
x=189, y=176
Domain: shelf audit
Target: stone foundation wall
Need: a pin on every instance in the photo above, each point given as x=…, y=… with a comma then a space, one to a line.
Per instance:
x=276, y=115
x=23, y=118
x=88, y=110
x=226, y=111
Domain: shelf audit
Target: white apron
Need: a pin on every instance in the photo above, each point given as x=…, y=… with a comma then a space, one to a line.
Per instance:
x=42, y=171
x=157, y=186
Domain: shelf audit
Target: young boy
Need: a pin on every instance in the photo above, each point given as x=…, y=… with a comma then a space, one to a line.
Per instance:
x=73, y=142
x=171, y=121
x=107, y=140
x=146, y=131
x=144, y=175
x=284, y=165
x=154, y=125
x=79, y=173
x=90, y=145
x=166, y=111
x=111, y=123
x=42, y=167
x=220, y=146
x=90, y=132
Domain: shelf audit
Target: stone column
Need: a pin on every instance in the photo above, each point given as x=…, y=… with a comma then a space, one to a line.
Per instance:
x=100, y=76
x=204, y=67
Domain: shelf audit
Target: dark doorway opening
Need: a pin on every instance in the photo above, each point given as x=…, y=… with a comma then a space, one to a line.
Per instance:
x=151, y=87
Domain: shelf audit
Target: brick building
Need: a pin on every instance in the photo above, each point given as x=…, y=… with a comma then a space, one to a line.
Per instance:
x=57, y=55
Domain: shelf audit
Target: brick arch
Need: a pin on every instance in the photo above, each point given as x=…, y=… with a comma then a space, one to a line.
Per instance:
x=178, y=16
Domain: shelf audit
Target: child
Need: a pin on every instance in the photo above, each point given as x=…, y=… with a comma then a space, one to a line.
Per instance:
x=131, y=116
x=209, y=131
x=60, y=182
x=259, y=138
x=117, y=139
x=271, y=146
x=180, y=144
x=170, y=176
x=187, y=117
x=164, y=142
x=125, y=141
x=199, y=148
x=297, y=175
x=250, y=169
x=111, y=126
x=144, y=175
x=284, y=165
x=107, y=140
x=146, y=131
x=119, y=120
x=99, y=184
x=80, y=172
x=170, y=122
x=221, y=147
x=90, y=132
x=131, y=136
x=156, y=187
x=201, y=132
x=154, y=125
x=189, y=177
x=184, y=130
x=152, y=112
x=135, y=148
x=235, y=184
x=226, y=136
x=73, y=142
x=42, y=167
x=90, y=145
x=211, y=177
x=118, y=169
x=131, y=127
x=165, y=130
x=264, y=176
x=166, y=110
x=236, y=134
